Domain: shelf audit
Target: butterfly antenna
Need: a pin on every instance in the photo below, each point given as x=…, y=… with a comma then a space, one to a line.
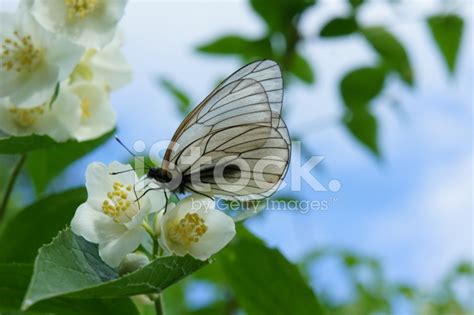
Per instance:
x=130, y=151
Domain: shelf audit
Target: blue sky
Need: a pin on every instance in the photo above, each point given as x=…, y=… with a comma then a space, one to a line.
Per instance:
x=412, y=209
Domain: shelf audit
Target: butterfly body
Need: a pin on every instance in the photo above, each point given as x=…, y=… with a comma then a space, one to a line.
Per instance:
x=166, y=180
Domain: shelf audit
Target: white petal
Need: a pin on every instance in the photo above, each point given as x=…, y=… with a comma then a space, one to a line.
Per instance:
x=110, y=66
x=51, y=14
x=101, y=117
x=56, y=122
x=95, y=226
x=138, y=218
x=126, y=178
x=32, y=89
x=129, y=178
x=96, y=29
x=114, y=251
x=7, y=123
x=133, y=262
x=221, y=230
x=194, y=203
x=58, y=58
x=7, y=22
x=157, y=200
x=67, y=115
x=98, y=184
x=65, y=56
x=157, y=222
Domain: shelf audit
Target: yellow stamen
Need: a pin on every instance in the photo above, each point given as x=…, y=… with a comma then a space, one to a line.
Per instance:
x=86, y=109
x=19, y=54
x=25, y=118
x=80, y=8
x=120, y=203
x=189, y=229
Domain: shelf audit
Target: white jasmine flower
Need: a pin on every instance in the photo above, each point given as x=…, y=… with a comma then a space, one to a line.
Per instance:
x=97, y=116
x=107, y=66
x=91, y=23
x=58, y=120
x=111, y=216
x=133, y=262
x=196, y=227
x=33, y=60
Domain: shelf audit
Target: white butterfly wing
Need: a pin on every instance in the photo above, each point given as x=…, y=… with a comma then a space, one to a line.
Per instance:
x=249, y=166
x=239, y=122
x=236, y=103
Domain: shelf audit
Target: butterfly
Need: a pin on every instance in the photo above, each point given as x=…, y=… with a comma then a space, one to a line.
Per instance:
x=234, y=145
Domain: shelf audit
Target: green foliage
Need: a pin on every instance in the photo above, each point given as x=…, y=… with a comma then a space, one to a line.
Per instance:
x=264, y=281
x=16, y=145
x=301, y=68
x=26, y=144
x=182, y=100
x=78, y=272
x=279, y=43
x=279, y=15
x=339, y=26
x=14, y=279
x=373, y=293
x=247, y=49
x=37, y=224
x=55, y=94
x=356, y=3
x=250, y=277
x=447, y=31
x=360, y=86
x=391, y=51
x=68, y=276
x=363, y=126
x=46, y=164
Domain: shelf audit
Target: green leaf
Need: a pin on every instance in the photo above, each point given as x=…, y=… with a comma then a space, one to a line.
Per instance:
x=37, y=224
x=407, y=291
x=264, y=281
x=350, y=260
x=447, y=31
x=339, y=26
x=14, y=279
x=55, y=95
x=24, y=144
x=356, y=3
x=363, y=126
x=44, y=165
x=236, y=45
x=465, y=268
x=279, y=14
x=391, y=51
x=71, y=267
x=182, y=100
x=361, y=85
x=16, y=145
x=302, y=69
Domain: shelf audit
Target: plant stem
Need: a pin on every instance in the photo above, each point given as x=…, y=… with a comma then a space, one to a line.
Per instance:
x=10, y=184
x=156, y=246
x=159, y=306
